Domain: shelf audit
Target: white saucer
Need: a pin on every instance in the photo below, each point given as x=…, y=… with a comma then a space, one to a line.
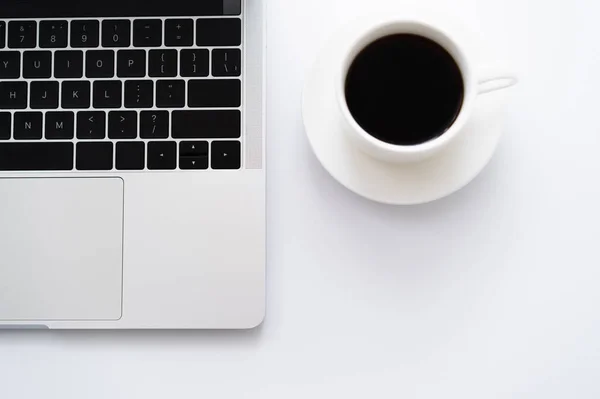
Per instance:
x=402, y=184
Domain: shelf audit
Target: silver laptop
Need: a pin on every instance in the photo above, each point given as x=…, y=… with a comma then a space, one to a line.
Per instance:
x=132, y=164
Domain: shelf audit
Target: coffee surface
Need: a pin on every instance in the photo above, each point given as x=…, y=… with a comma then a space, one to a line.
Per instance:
x=404, y=89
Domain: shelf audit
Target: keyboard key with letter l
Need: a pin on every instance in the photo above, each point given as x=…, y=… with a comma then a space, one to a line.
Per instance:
x=94, y=156
x=206, y=124
x=107, y=94
x=40, y=156
x=214, y=93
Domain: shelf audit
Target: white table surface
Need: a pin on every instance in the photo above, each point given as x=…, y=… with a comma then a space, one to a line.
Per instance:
x=491, y=293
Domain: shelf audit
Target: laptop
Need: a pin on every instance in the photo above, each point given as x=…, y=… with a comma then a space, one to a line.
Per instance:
x=132, y=164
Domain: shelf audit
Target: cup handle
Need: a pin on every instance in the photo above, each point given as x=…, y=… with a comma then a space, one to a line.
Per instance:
x=495, y=80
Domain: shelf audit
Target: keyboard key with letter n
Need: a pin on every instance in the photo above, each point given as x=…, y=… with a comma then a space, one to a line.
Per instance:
x=208, y=124
x=40, y=156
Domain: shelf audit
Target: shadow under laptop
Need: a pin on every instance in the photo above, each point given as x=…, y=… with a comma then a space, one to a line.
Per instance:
x=166, y=339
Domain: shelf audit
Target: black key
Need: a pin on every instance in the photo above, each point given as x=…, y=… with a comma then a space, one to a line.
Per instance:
x=68, y=64
x=116, y=33
x=154, y=124
x=194, y=62
x=10, y=64
x=54, y=34
x=2, y=34
x=193, y=148
x=13, y=95
x=107, y=94
x=147, y=33
x=44, y=95
x=131, y=63
x=59, y=125
x=227, y=62
x=139, y=94
x=220, y=124
x=76, y=94
x=37, y=64
x=5, y=125
x=226, y=155
x=36, y=156
x=193, y=155
x=170, y=93
x=94, y=156
x=100, y=64
x=162, y=155
x=85, y=34
x=219, y=32
x=189, y=163
x=179, y=32
x=91, y=125
x=162, y=63
x=22, y=34
x=28, y=125
x=130, y=156
x=122, y=125
x=214, y=93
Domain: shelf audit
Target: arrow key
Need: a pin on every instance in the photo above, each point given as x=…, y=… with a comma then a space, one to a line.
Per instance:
x=226, y=155
x=162, y=155
x=193, y=148
x=187, y=163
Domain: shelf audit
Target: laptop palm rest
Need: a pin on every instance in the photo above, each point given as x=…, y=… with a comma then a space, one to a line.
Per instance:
x=62, y=249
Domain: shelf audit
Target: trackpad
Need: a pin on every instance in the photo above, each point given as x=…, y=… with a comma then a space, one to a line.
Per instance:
x=61, y=249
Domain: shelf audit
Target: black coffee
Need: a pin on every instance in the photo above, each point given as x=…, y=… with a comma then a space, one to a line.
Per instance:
x=404, y=89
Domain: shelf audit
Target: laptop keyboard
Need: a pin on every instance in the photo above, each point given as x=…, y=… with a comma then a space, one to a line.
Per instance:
x=128, y=94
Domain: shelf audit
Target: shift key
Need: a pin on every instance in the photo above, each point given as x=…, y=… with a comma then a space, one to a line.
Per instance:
x=213, y=124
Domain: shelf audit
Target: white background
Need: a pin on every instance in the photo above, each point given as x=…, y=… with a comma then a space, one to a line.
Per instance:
x=491, y=293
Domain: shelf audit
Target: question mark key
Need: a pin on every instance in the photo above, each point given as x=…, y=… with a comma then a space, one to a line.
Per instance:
x=154, y=124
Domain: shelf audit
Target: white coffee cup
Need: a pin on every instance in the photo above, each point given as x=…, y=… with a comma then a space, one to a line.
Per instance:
x=475, y=82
